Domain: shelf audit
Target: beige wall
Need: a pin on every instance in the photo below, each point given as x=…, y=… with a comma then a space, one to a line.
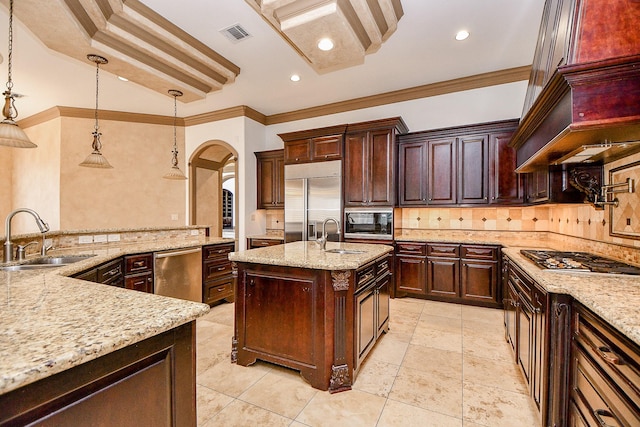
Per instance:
x=6, y=188
x=208, y=197
x=133, y=193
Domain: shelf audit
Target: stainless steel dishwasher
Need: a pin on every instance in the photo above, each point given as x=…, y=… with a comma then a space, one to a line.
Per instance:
x=178, y=273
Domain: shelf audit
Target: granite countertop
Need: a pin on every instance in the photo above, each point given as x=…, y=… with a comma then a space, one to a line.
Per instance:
x=309, y=255
x=51, y=322
x=614, y=297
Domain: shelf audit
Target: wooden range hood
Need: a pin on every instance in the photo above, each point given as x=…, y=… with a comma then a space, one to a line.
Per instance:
x=594, y=100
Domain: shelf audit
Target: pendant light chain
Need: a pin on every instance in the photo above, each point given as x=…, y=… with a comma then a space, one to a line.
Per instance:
x=10, y=55
x=175, y=137
x=95, y=127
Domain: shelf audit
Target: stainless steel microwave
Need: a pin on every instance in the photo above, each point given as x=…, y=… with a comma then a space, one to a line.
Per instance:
x=368, y=223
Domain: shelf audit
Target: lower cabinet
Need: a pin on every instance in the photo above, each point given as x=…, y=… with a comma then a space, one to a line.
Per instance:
x=462, y=273
x=138, y=272
x=605, y=374
x=373, y=284
x=255, y=242
x=217, y=274
x=110, y=273
x=536, y=328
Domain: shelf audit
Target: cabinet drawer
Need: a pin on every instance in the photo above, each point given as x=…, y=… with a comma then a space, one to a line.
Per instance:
x=617, y=359
x=596, y=397
x=215, y=269
x=383, y=266
x=140, y=282
x=412, y=248
x=479, y=252
x=138, y=263
x=217, y=251
x=111, y=272
x=522, y=282
x=217, y=289
x=443, y=250
x=365, y=276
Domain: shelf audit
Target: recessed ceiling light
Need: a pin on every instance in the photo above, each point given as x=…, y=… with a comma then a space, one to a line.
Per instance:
x=295, y=78
x=124, y=79
x=325, y=44
x=461, y=35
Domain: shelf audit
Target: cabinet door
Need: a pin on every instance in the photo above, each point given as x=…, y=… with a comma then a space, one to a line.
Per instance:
x=538, y=186
x=356, y=170
x=479, y=280
x=270, y=174
x=510, y=313
x=140, y=282
x=525, y=345
x=326, y=148
x=505, y=185
x=383, y=288
x=443, y=277
x=298, y=151
x=412, y=174
x=366, y=325
x=539, y=334
x=473, y=168
x=411, y=275
x=441, y=180
x=381, y=185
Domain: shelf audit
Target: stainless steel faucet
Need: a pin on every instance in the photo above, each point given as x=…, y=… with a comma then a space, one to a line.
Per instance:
x=8, y=246
x=322, y=241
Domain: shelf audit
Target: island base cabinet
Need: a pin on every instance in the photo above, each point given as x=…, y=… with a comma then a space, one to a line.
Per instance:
x=149, y=383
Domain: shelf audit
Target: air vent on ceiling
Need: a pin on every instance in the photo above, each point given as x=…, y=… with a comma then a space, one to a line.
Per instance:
x=235, y=33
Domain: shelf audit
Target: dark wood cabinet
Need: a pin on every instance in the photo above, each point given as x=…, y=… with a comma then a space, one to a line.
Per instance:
x=465, y=165
x=313, y=145
x=537, y=325
x=473, y=170
x=462, y=273
x=369, y=162
x=151, y=382
x=138, y=272
x=442, y=171
x=110, y=273
x=554, y=183
x=506, y=187
x=270, y=174
x=538, y=186
x=217, y=273
x=605, y=374
x=371, y=305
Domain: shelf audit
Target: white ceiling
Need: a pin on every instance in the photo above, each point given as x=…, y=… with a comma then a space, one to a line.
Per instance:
x=421, y=51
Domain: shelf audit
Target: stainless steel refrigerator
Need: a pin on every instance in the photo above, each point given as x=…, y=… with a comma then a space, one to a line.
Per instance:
x=312, y=193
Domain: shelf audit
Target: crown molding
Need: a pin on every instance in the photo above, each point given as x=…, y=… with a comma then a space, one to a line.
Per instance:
x=87, y=113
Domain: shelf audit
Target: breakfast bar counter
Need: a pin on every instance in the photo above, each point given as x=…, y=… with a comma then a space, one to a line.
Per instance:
x=319, y=312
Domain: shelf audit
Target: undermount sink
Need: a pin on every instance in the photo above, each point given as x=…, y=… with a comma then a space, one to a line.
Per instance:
x=46, y=262
x=58, y=260
x=344, y=251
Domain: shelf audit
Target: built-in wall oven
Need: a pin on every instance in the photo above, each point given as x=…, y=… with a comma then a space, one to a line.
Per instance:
x=368, y=223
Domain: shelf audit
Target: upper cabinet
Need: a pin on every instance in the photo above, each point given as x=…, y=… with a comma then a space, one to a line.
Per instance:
x=314, y=145
x=584, y=87
x=465, y=165
x=369, y=162
x=270, y=174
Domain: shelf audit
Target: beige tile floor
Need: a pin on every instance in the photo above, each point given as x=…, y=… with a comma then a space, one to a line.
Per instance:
x=440, y=365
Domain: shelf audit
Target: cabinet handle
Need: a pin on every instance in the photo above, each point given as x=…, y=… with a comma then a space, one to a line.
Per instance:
x=222, y=268
x=149, y=279
x=609, y=356
x=599, y=413
x=138, y=264
x=113, y=272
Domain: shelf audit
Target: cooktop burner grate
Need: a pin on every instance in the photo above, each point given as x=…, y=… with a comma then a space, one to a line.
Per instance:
x=579, y=261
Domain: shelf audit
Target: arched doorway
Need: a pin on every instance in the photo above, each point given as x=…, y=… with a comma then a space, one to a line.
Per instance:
x=212, y=174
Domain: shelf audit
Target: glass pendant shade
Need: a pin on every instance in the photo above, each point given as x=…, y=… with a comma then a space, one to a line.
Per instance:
x=10, y=133
x=175, y=172
x=96, y=159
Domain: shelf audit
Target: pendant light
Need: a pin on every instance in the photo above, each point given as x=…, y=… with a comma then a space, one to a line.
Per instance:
x=175, y=172
x=10, y=133
x=96, y=159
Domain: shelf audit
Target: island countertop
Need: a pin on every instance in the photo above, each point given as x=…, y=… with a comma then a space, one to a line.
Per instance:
x=308, y=254
x=51, y=322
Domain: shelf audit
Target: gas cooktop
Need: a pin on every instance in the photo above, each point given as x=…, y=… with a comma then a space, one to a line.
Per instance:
x=578, y=261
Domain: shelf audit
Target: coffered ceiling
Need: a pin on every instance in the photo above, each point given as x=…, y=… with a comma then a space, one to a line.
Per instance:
x=163, y=44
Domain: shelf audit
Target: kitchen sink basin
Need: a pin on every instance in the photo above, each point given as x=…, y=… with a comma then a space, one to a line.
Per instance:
x=344, y=251
x=58, y=260
x=46, y=262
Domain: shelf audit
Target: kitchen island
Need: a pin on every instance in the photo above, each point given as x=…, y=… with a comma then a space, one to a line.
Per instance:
x=319, y=312
x=73, y=350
